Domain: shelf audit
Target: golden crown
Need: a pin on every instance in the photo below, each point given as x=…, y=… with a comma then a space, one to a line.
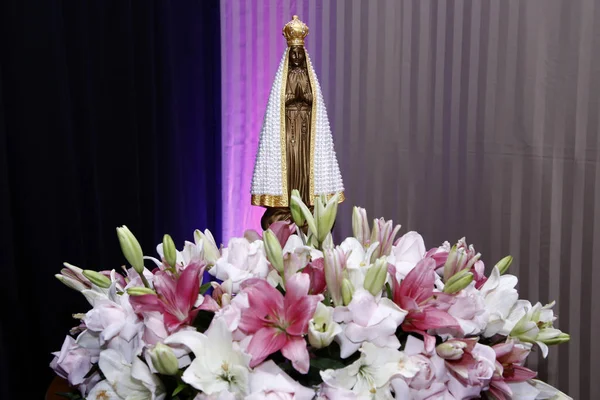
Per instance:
x=295, y=31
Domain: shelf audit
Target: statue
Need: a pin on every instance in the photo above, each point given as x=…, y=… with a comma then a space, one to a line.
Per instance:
x=296, y=148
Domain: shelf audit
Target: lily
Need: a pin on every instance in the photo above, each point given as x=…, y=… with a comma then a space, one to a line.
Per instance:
x=126, y=380
x=322, y=329
x=368, y=319
x=369, y=376
x=220, y=365
x=415, y=295
x=277, y=322
x=175, y=297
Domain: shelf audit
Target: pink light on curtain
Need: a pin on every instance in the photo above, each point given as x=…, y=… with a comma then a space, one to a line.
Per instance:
x=252, y=46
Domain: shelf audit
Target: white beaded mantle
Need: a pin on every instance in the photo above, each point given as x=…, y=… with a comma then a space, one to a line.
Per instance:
x=267, y=178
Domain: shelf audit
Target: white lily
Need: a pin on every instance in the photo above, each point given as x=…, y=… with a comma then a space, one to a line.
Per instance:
x=358, y=260
x=268, y=381
x=127, y=381
x=368, y=319
x=322, y=329
x=536, y=327
x=219, y=364
x=370, y=375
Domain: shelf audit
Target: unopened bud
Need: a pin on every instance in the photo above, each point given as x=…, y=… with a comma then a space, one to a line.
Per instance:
x=131, y=249
x=360, y=225
x=451, y=350
x=325, y=215
x=458, y=282
x=169, y=250
x=450, y=263
x=102, y=281
x=561, y=338
x=164, y=359
x=139, y=291
x=504, y=264
x=273, y=250
x=347, y=291
x=376, y=276
x=301, y=213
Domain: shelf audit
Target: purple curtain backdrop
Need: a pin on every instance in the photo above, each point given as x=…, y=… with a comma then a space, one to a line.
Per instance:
x=455, y=118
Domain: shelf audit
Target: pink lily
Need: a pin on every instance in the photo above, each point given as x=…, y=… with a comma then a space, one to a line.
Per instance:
x=415, y=295
x=383, y=232
x=461, y=256
x=316, y=271
x=510, y=358
x=175, y=296
x=277, y=322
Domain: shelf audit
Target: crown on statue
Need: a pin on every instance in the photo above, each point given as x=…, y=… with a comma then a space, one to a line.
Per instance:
x=295, y=31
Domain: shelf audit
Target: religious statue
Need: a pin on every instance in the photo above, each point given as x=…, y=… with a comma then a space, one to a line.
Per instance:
x=296, y=148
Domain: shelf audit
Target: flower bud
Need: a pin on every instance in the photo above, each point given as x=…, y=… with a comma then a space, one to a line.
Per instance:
x=559, y=339
x=131, y=249
x=164, y=359
x=139, y=291
x=360, y=225
x=504, y=264
x=297, y=213
x=458, y=281
x=451, y=350
x=169, y=250
x=325, y=215
x=347, y=291
x=211, y=251
x=335, y=261
x=301, y=213
x=102, y=281
x=450, y=263
x=376, y=276
x=273, y=250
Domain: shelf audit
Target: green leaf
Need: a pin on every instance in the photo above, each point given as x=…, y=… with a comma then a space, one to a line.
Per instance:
x=326, y=363
x=179, y=388
x=205, y=287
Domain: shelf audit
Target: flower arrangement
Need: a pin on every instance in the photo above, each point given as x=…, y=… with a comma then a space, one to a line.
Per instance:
x=291, y=315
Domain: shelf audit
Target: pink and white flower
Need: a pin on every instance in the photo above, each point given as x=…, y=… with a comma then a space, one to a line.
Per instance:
x=277, y=322
x=269, y=382
x=368, y=319
x=240, y=261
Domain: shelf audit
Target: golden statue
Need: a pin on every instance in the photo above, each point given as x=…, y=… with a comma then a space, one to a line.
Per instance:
x=296, y=148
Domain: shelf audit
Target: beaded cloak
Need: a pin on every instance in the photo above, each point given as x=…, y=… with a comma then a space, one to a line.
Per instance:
x=269, y=181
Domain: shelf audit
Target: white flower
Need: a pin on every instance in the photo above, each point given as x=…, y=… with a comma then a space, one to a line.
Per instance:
x=125, y=380
x=322, y=328
x=536, y=327
x=406, y=253
x=358, y=260
x=368, y=319
x=241, y=260
x=114, y=325
x=268, y=381
x=501, y=301
x=219, y=364
x=468, y=308
x=369, y=376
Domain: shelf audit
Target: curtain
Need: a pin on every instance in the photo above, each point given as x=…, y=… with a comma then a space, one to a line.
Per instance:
x=109, y=116
x=454, y=118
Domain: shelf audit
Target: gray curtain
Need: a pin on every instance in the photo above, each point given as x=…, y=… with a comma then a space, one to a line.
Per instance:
x=465, y=118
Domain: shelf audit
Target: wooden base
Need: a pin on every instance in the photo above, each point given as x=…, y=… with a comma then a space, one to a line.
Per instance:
x=58, y=385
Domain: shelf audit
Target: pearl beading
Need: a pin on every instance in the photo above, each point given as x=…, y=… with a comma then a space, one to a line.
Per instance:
x=267, y=179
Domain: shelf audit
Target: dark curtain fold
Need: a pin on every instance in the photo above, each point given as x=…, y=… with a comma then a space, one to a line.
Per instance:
x=109, y=115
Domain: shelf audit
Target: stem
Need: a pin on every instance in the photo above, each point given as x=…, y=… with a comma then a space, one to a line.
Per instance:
x=144, y=280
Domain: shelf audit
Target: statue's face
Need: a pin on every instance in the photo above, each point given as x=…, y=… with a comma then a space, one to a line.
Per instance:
x=297, y=56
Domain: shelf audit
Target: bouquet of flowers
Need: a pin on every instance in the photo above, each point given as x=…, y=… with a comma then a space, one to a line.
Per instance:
x=291, y=315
